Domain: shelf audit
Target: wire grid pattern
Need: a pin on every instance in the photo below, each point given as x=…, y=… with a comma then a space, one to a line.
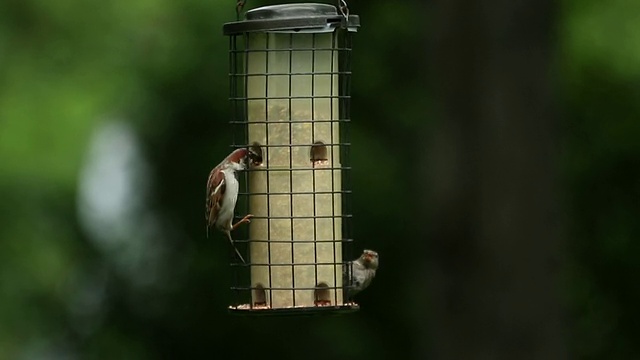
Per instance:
x=239, y=76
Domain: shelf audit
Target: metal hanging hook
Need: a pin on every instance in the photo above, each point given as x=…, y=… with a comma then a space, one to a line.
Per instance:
x=239, y=6
x=344, y=9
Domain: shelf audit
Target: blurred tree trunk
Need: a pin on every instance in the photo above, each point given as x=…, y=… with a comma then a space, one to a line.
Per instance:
x=490, y=178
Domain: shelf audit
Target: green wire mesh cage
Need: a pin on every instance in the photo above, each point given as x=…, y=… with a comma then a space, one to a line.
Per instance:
x=290, y=72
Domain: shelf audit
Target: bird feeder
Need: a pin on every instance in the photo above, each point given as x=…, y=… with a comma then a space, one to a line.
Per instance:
x=290, y=93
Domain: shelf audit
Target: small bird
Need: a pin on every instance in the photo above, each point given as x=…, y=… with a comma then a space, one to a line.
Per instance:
x=223, y=187
x=363, y=270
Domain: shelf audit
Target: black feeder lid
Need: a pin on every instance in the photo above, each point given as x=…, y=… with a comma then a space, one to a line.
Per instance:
x=304, y=17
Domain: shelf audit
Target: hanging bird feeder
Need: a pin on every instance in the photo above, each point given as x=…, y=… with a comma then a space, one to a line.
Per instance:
x=290, y=91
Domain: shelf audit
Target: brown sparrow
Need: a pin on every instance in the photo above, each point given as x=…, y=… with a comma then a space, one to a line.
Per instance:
x=223, y=187
x=362, y=272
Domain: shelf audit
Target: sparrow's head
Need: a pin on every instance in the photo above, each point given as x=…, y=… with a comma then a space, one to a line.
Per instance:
x=254, y=155
x=243, y=158
x=369, y=259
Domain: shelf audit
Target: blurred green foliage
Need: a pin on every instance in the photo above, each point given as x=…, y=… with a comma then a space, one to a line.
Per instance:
x=158, y=70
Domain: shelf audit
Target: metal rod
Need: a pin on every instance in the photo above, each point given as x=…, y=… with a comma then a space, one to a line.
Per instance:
x=333, y=161
x=313, y=172
x=293, y=274
x=266, y=116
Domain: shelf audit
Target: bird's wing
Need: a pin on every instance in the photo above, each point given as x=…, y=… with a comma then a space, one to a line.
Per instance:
x=215, y=190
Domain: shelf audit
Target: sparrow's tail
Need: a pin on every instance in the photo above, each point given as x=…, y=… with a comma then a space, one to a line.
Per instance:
x=235, y=248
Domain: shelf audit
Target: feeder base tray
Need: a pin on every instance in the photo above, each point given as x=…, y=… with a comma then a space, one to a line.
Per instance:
x=262, y=310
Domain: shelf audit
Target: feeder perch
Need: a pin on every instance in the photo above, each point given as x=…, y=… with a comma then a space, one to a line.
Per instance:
x=290, y=91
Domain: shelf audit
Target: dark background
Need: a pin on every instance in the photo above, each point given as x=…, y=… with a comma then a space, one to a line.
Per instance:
x=496, y=160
